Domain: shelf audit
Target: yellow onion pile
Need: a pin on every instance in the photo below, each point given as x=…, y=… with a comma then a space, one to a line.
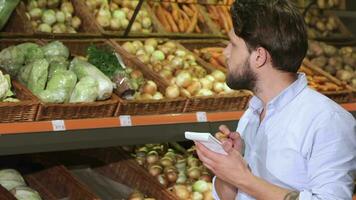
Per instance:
x=137, y=195
x=179, y=67
x=115, y=15
x=182, y=174
x=53, y=16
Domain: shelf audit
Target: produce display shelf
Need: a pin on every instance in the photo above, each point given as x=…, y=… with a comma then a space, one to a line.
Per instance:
x=126, y=121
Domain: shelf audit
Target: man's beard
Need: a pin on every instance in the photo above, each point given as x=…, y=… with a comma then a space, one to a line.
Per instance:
x=244, y=81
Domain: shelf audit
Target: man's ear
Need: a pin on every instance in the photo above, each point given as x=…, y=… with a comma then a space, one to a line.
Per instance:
x=260, y=57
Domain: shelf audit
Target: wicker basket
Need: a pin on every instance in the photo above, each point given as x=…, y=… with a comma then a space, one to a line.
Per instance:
x=5, y=195
x=117, y=165
x=22, y=111
x=20, y=24
x=106, y=108
x=342, y=96
x=157, y=30
x=208, y=28
x=57, y=183
x=145, y=107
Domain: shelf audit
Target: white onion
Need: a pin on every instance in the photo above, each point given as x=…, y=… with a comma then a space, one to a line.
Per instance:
x=129, y=47
x=115, y=24
x=184, y=79
x=194, y=87
x=67, y=7
x=158, y=56
x=119, y=14
x=219, y=76
x=149, y=49
x=76, y=22
x=151, y=42
x=150, y=88
x=180, y=53
x=146, y=22
x=206, y=83
x=185, y=93
x=218, y=87
x=210, y=77
x=172, y=92
x=204, y=92
x=124, y=23
x=157, y=96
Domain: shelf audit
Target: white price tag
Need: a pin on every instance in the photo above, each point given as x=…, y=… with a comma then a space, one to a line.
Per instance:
x=125, y=120
x=58, y=125
x=201, y=117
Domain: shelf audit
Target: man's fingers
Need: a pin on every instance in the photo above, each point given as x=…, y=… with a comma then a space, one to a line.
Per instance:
x=224, y=129
x=227, y=145
x=234, y=136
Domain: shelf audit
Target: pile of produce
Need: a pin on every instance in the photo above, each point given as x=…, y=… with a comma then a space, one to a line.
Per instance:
x=181, y=173
x=137, y=195
x=6, y=95
x=53, y=16
x=179, y=18
x=48, y=72
x=115, y=15
x=130, y=82
x=212, y=55
x=319, y=82
x=12, y=180
x=339, y=62
x=221, y=16
x=180, y=68
x=328, y=4
x=321, y=25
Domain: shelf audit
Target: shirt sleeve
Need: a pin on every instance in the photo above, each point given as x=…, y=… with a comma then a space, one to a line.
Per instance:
x=332, y=160
x=215, y=194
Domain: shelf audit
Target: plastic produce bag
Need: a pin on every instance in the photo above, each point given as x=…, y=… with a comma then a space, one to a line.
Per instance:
x=31, y=51
x=52, y=96
x=25, y=193
x=6, y=9
x=4, y=86
x=54, y=49
x=57, y=64
x=12, y=59
x=82, y=69
x=86, y=90
x=38, y=76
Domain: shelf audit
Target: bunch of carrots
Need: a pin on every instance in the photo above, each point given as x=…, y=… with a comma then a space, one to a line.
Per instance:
x=213, y=55
x=179, y=18
x=221, y=16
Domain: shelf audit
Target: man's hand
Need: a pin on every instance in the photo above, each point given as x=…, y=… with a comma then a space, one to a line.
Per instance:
x=232, y=138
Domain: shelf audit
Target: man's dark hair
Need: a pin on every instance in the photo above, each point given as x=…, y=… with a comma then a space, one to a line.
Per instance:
x=275, y=25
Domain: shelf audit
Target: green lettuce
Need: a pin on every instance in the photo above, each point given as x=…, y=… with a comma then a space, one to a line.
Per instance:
x=86, y=90
x=38, y=76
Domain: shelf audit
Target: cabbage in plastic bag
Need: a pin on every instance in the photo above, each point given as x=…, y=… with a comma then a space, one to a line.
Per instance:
x=86, y=90
x=82, y=69
x=55, y=49
x=10, y=178
x=31, y=51
x=52, y=96
x=4, y=86
x=38, y=76
x=12, y=59
x=25, y=193
x=57, y=63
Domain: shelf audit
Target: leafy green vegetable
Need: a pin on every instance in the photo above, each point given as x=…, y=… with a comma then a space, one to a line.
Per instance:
x=38, y=76
x=31, y=51
x=82, y=69
x=12, y=59
x=10, y=178
x=86, y=90
x=57, y=63
x=54, y=49
x=4, y=86
x=25, y=193
x=104, y=59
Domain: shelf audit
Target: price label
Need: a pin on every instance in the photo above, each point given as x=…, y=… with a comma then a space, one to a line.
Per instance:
x=125, y=120
x=58, y=125
x=201, y=117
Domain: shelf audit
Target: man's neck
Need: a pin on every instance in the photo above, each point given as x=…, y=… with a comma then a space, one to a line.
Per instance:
x=268, y=88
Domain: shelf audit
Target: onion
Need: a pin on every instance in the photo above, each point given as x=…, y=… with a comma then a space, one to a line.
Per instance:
x=227, y=89
x=45, y=28
x=184, y=79
x=144, y=58
x=204, y=92
x=42, y=3
x=149, y=49
x=103, y=16
x=158, y=56
x=189, y=58
x=173, y=81
x=119, y=14
x=34, y=24
x=151, y=42
x=136, y=74
x=166, y=161
x=146, y=96
x=152, y=157
x=137, y=44
x=150, y=88
x=167, y=74
x=76, y=22
x=194, y=87
x=35, y=13
x=157, y=96
x=194, y=173
x=181, y=191
x=124, y=23
x=57, y=29
x=146, y=22
x=218, y=87
x=140, y=52
x=200, y=186
x=91, y=4
x=205, y=177
x=170, y=57
x=219, y=76
x=155, y=170
x=60, y=17
x=208, y=195
x=165, y=50
x=170, y=45
x=115, y=24
x=182, y=178
x=177, y=62
x=67, y=7
x=68, y=16
x=185, y=93
x=197, y=196
x=136, y=27
x=180, y=53
x=162, y=180
x=129, y=47
x=192, y=161
x=32, y=4
x=49, y=17
x=206, y=83
x=141, y=160
x=172, y=176
x=210, y=77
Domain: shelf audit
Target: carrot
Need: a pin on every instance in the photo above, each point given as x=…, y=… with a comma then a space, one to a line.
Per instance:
x=171, y=21
x=212, y=49
x=175, y=11
x=222, y=60
x=161, y=17
x=188, y=11
x=197, y=29
x=186, y=19
x=181, y=25
x=193, y=23
x=215, y=63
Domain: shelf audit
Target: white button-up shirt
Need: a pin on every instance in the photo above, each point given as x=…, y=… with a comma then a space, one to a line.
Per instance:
x=305, y=143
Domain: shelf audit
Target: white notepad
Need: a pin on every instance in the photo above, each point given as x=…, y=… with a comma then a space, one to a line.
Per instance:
x=207, y=140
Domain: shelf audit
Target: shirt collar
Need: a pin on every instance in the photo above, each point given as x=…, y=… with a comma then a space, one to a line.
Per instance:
x=286, y=96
